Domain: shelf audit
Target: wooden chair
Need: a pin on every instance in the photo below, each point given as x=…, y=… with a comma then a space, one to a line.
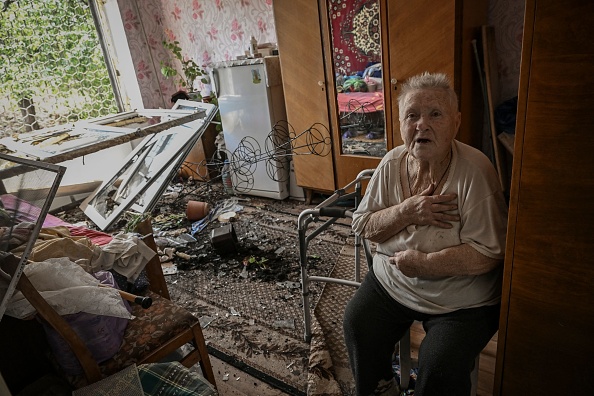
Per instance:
x=176, y=327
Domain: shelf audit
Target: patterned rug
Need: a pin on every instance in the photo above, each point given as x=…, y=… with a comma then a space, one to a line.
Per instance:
x=257, y=325
x=330, y=372
x=355, y=34
x=328, y=340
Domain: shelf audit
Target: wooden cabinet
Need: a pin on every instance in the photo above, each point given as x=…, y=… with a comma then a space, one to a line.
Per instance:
x=304, y=82
x=195, y=163
x=436, y=36
x=418, y=36
x=545, y=344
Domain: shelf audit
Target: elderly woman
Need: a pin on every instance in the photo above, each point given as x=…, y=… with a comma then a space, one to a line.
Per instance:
x=436, y=210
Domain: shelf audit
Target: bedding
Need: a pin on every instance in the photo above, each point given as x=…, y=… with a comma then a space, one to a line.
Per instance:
x=125, y=254
x=360, y=102
x=29, y=213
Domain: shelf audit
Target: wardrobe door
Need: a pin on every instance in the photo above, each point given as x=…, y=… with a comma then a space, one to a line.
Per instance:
x=545, y=344
x=304, y=82
x=436, y=36
x=352, y=32
x=422, y=38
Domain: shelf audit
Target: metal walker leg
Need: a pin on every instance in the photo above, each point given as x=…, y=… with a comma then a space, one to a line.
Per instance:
x=333, y=213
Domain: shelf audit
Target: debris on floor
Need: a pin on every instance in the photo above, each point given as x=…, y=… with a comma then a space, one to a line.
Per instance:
x=259, y=278
x=169, y=268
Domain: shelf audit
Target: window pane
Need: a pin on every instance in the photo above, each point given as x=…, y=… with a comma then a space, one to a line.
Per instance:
x=52, y=69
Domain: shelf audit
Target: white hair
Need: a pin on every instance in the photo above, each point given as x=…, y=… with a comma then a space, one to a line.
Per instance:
x=428, y=80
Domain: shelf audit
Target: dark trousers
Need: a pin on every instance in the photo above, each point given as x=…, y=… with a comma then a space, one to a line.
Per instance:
x=374, y=322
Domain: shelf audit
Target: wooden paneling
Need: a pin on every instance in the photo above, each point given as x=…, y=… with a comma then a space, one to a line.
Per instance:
x=436, y=36
x=302, y=62
x=472, y=15
x=545, y=337
x=421, y=38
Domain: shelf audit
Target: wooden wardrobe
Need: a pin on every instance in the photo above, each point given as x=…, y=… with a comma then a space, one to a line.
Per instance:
x=424, y=35
x=546, y=334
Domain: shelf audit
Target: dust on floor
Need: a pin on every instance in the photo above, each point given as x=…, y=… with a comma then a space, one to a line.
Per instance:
x=266, y=252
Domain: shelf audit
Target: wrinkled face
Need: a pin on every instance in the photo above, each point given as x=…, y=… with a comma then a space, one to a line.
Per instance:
x=428, y=123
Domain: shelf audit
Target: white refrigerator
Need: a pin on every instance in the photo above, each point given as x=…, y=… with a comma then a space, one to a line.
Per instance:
x=251, y=102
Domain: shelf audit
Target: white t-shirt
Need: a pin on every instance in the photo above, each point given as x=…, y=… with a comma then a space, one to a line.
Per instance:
x=482, y=225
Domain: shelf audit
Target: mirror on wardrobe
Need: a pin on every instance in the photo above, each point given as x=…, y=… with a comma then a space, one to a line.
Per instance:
x=356, y=52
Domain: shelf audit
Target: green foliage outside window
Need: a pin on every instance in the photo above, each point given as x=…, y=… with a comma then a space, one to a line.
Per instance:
x=51, y=58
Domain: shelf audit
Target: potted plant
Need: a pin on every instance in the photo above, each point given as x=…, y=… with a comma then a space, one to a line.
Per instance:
x=190, y=70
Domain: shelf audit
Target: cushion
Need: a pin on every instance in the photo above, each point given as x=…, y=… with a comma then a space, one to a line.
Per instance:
x=172, y=378
x=150, y=329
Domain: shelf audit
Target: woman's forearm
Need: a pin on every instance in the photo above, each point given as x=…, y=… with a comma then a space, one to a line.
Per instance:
x=419, y=209
x=460, y=260
x=384, y=224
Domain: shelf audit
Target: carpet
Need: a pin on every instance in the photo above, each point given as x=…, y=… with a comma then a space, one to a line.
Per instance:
x=332, y=376
x=327, y=335
x=253, y=323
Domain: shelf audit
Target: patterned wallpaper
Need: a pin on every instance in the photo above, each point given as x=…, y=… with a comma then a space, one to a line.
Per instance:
x=207, y=30
x=218, y=30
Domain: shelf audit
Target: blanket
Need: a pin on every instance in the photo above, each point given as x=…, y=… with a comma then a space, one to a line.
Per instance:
x=126, y=253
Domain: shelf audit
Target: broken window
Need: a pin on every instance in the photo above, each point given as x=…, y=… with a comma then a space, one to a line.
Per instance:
x=150, y=166
x=53, y=69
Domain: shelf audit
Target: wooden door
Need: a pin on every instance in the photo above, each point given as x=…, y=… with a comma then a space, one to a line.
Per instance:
x=421, y=36
x=436, y=36
x=545, y=341
x=302, y=63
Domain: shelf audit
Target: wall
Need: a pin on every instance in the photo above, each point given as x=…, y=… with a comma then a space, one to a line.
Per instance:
x=208, y=31
x=218, y=30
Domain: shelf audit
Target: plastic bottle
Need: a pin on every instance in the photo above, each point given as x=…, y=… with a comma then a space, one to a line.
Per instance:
x=226, y=175
x=253, y=47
